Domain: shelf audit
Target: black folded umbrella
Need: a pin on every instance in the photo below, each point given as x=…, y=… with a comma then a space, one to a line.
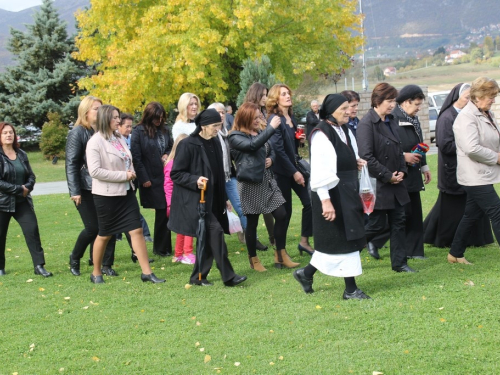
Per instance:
x=201, y=231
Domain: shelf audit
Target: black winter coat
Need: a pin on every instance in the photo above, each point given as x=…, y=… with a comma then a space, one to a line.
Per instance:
x=285, y=148
x=250, y=154
x=409, y=139
x=382, y=150
x=447, y=153
x=8, y=189
x=190, y=163
x=77, y=173
x=148, y=166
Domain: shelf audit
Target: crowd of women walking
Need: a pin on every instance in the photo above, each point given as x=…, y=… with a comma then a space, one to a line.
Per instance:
x=196, y=172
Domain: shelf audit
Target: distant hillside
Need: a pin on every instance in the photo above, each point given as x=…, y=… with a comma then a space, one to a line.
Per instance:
x=397, y=17
x=17, y=20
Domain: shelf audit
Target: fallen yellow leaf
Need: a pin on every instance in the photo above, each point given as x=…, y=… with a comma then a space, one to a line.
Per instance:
x=271, y=331
x=187, y=286
x=207, y=359
x=318, y=307
x=237, y=364
x=67, y=298
x=197, y=344
x=202, y=349
x=29, y=280
x=198, y=323
x=377, y=373
x=96, y=359
x=280, y=357
x=85, y=307
x=271, y=363
x=442, y=320
x=162, y=320
x=41, y=289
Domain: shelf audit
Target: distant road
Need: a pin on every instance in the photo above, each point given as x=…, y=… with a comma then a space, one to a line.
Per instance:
x=45, y=188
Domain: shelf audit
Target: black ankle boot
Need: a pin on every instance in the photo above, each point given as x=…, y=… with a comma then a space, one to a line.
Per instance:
x=74, y=265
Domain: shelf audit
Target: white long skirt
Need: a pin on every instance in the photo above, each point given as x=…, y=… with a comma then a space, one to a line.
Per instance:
x=339, y=265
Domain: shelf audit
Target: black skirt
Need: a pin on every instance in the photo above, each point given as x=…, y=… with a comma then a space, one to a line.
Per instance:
x=442, y=222
x=117, y=214
x=346, y=233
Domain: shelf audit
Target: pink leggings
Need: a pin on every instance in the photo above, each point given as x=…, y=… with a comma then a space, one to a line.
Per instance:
x=183, y=245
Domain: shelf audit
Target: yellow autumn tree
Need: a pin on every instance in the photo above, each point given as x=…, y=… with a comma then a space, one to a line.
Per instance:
x=148, y=50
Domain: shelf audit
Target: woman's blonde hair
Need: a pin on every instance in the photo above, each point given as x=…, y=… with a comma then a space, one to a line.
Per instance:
x=483, y=87
x=180, y=137
x=273, y=99
x=183, y=104
x=84, y=108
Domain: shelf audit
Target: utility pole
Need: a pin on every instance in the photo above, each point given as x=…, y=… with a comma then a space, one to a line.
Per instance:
x=365, y=80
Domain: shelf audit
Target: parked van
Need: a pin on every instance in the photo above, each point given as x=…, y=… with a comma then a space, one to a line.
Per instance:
x=436, y=100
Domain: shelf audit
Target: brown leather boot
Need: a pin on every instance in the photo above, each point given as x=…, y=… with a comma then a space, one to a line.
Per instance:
x=282, y=260
x=256, y=265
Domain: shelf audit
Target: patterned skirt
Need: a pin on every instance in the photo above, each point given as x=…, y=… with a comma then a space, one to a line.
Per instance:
x=260, y=197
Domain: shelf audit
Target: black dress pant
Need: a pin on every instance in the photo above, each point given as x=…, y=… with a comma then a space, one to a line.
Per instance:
x=88, y=213
x=162, y=241
x=414, y=228
x=480, y=199
x=215, y=248
x=286, y=185
x=25, y=216
x=377, y=223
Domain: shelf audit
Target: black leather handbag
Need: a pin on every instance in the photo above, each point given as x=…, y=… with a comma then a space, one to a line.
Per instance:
x=303, y=166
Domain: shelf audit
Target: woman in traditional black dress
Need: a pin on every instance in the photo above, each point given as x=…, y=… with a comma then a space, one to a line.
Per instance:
x=338, y=223
x=442, y=221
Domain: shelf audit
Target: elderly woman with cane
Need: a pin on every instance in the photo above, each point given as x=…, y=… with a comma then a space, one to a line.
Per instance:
x=198, y=162
x=338, y=223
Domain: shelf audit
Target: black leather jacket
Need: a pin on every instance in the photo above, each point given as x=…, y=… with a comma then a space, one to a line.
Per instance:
x=250, y=155
x=77, y=173
x=8, y=189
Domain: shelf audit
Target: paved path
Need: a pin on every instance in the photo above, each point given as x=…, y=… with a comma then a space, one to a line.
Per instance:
x=44, y=188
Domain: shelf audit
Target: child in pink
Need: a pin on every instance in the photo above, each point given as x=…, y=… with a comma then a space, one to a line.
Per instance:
x=183, y=244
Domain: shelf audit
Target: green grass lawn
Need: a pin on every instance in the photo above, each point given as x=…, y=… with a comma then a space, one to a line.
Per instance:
x=44, y=170
x=442, y=320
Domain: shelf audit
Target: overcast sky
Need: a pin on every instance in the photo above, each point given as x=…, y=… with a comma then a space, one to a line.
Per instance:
x=17, y=5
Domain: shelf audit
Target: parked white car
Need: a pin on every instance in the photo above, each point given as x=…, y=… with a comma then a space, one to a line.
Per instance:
x=436, y=100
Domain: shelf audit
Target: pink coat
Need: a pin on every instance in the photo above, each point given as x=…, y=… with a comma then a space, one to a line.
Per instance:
x=106, y=167
x=168, y=185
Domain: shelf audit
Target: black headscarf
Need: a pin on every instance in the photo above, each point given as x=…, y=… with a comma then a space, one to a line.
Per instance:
x=206, y=117
x=452, y=97
x=331, y=103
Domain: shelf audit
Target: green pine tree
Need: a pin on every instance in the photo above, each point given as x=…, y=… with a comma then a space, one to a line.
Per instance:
x=255, y=71
x=44, y=79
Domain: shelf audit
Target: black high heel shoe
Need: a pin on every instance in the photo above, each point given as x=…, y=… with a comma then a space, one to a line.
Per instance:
x=134, y=258
x=151, y=277
x=302, y=249
x=96, y=279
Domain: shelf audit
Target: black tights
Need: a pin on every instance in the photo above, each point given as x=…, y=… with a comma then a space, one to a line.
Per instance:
x=350, y=282
x=280, y=227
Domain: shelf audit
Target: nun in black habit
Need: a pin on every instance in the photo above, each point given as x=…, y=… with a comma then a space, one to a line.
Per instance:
x=198, y=160
x=442, y=221
x=338, y=223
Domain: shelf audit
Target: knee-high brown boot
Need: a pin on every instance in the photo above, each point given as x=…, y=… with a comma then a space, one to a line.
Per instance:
x=282, y=260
